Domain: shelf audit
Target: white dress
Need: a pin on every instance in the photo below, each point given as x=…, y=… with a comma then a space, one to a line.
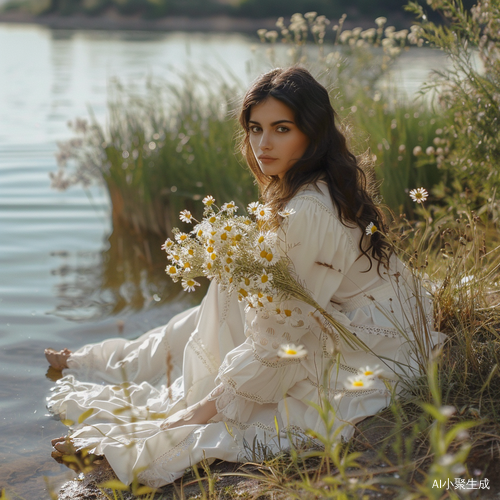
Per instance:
x=221, y=349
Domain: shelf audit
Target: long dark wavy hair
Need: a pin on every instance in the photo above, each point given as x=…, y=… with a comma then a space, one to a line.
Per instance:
x=327, y=157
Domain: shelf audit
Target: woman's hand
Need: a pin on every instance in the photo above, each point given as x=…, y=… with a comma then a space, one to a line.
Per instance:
x=197, y=414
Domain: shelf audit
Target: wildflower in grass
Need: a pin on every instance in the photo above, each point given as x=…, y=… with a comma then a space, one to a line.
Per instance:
x=230, y=207
x=208, y=201
x=430, y=151
x=186, y=216
x=367, y=371
x=264, y=213
x=287, y=212
x=380, y=21
x=189, y=285
x=371, y=229
x=168, y=244
x=358, y=383
x=417, y=151
x=419, y=195
x=292, y=351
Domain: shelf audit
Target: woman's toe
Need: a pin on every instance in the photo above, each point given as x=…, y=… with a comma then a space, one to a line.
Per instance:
x=57, y=440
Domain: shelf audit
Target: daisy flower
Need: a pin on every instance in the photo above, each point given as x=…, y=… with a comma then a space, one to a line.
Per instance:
x=186, y=216
x=172, y=271
x=371, y=229
x=358, y=383
x=287, y=212
x=266, y=238
x=263, y=213
x=267, y=257
x=230, y=207
x=168, y=244
x=419, y=195
x=208, y=200
x=253, y=208
x=189, y=285
x=180, y=237
x=265, y=279
x=292, y=351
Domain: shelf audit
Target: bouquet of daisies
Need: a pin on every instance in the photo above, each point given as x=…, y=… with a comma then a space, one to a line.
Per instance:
x=242, y=254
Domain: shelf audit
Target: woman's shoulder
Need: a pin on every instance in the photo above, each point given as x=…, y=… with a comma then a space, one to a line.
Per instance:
x=315, y=197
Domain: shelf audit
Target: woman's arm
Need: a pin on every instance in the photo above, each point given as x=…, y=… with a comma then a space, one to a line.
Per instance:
x=197, y=414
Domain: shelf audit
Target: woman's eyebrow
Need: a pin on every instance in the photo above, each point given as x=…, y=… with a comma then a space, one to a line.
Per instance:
x=274, y=123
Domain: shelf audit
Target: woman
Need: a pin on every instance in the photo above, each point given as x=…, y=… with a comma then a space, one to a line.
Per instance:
x=210, y=381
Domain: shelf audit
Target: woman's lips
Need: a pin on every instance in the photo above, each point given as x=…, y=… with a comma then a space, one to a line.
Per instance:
x=266, y=159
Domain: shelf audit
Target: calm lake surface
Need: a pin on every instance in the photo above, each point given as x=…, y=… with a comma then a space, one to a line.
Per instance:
x=52, y=243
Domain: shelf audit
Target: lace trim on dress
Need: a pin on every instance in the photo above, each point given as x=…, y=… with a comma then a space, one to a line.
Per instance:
x=226, y=306
x=155, y=475
x=205, y=356
x=229, y=394
x=336, y=393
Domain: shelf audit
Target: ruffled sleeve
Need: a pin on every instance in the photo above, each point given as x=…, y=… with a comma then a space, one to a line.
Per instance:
x=320, y=250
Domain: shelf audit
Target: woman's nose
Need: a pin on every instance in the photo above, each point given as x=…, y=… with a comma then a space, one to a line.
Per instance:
x=265, y=142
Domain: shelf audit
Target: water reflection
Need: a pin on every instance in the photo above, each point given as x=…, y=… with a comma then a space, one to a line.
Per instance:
x=128, y=275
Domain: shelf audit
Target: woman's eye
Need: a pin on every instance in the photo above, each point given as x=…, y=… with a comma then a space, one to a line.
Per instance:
x=282, y=129
x=254, y=129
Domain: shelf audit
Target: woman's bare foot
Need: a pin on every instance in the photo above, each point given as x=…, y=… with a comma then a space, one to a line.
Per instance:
x=63, y=445
x=58, y=359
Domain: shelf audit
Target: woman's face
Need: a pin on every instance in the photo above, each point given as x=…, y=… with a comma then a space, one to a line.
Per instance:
x=275, y=139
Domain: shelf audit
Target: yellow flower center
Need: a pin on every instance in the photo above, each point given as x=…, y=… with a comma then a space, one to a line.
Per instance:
x=247, y=281
x=237, y=237
x=190, y=282
x=263, y=254
x=287, y=312
x=172, y=270
x=229, y=260
x=358, y=383
x=187, y=265
x=191, y=251
x=213, y=256
x=243, y=292
x=209, y=265
x=261, y=239
x=183, y=237
x=374, y=229
x=200, y=232
x=264, y=278
x=269, y=257
x=210, y=249
x=292, y=352
x=223, y=236
x=367, y=372
x=212, y=219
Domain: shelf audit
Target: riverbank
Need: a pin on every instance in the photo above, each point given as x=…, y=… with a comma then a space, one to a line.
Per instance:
x=112, y=20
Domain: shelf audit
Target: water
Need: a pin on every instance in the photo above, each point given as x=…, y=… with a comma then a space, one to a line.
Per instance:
x=52, y=243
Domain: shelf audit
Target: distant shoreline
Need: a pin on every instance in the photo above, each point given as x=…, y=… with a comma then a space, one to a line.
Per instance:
x=114, y=21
